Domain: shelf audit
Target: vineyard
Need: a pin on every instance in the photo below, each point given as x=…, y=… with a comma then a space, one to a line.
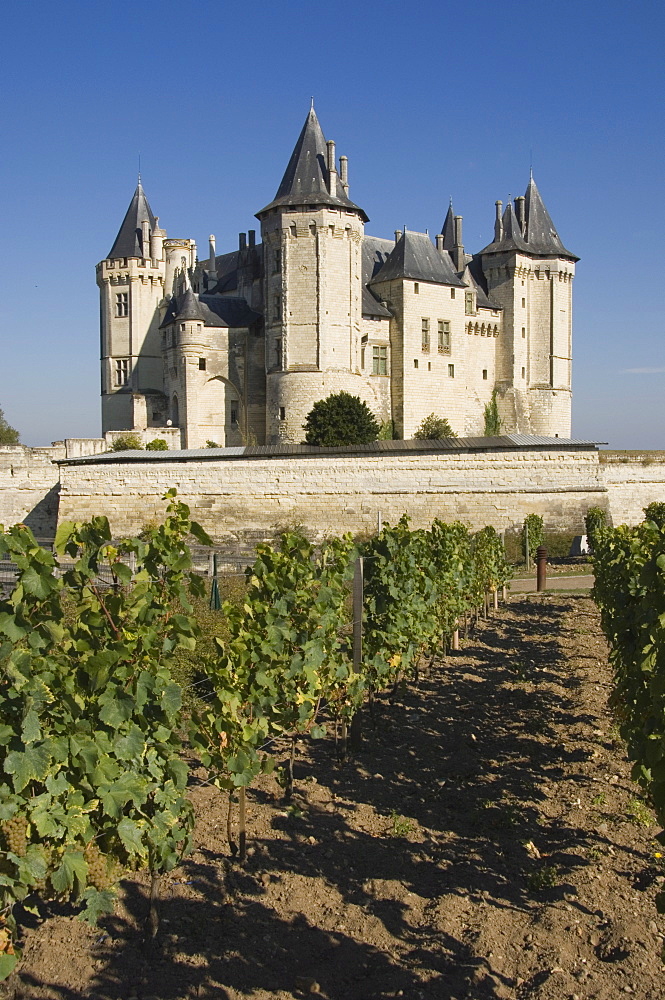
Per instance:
x=331, y=661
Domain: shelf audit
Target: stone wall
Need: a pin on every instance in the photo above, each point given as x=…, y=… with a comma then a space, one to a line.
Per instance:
x=633, y=480
x=29, y=487
x=234, y=496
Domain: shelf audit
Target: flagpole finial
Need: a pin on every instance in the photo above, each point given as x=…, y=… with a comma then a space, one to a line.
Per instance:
x=312, y=107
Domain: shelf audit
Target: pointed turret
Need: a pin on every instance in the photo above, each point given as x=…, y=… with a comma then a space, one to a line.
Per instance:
x=448, y=229
x=310, y=177
x=540, y=233
x=129, y=242
x=509, y=233
x=189, y=306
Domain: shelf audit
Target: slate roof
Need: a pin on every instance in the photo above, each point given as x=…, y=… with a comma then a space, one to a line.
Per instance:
x=414, y=256
x=375, y=252
x=306, y=179
x=540, y=238
x=212, y=310
x=129, y=241
x=476, y=276
x=507, y=442
x=448, y=229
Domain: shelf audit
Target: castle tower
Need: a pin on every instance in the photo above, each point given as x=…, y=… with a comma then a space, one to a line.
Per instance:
x=530, y=273
x=131, y=283
x=312, y=245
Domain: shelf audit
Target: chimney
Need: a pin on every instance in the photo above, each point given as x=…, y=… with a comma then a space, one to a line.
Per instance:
x=211, y=240
x=439, y=242
x=498, y=223
x=145, y=241
x=157, y=241
x=458, y=249
x=332, y=170
x=344, y=173
x=252, y=237
x=398, y=235
x=520, y=212
x=242, y=241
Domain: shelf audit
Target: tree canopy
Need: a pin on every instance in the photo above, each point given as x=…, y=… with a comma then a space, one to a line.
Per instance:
x=433, y=428
x=340, y=419
x=8, y=434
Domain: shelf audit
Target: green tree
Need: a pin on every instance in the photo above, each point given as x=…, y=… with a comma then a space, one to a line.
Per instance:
x=340, y=419
x=655, y=512
x=533, y=530
x=8, y=435
x=594, y=520
x=127, y=442
x=433, y=428
x=492, y=418
x=159, y=444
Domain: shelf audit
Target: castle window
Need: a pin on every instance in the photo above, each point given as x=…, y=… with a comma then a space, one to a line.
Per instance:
x=282, y=413
x=416, y=288
x=523, y=303
x=485, y=373
x=468, y=303
x=444, y=336
x=379, y=360
x=121, y=371
x=362, y=358
x=415, y=362
x=452, y=293
x=524, y=331
x=278, y=352
x=425, y=334
x=202, y=364
x=277, y=308
x=234, y=411
x=122, y=304
x=429, y=366
x=523, y=372
x=277, y=260
x=451, y=371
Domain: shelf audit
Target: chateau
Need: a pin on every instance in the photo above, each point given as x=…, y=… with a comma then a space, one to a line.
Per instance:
x=236, y=349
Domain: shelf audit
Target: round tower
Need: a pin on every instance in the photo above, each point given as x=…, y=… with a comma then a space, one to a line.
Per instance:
x=312, y=244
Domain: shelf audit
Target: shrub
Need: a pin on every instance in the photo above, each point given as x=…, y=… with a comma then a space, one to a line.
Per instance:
x=433, y=428
x=212, y=444
x=655, y=512
x=340, y=419
x=8, y=434
x=127, y=442
x=593, y=522
x=492, y=419
x=159, y=444
x=533, y=527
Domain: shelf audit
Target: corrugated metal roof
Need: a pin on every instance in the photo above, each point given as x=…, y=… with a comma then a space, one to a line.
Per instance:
x=507, y=442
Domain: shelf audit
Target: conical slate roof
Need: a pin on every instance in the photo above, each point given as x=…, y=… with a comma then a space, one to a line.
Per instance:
x=540, y=238
x=189, y=306
x=129, y=241
x=540, y=233
x=448, y=229
x=415, y=257
x=306, y=179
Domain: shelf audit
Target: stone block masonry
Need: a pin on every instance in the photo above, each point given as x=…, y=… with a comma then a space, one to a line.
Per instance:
x=233, y=495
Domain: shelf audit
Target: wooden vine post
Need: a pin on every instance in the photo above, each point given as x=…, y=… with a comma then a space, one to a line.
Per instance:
x=358, y=587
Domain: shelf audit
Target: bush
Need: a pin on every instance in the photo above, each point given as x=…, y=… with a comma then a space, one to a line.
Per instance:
x=159, y=444
x=492, y=419
x=655, y=512
x=127, y=442
x=340, y=419
x=533, y=526
x=212, y=444
x=593, y=522
x=8, y=434
x=434, y=428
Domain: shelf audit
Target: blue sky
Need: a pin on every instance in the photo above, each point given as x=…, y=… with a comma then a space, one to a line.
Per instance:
x=428, y=100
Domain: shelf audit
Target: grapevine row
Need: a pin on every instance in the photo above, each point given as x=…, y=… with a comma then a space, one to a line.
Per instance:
x=91, y=719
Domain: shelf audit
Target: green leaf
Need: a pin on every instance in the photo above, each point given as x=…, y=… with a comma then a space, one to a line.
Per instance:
x=9, y=627
x=31, y=765
x=131, y=835
x=31, y=729
x=117, y=710
x=96, y=905
x=63, y=533
x=40, y=584
x=7, y=964
x=131, y=745
x=171, y=700
x=73, y=869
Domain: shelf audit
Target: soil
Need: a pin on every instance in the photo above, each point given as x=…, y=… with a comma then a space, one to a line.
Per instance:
x=486, y=842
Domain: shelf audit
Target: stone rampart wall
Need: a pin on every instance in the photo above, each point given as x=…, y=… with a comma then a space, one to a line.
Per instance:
x=633, y=480
x=234, y=498
x=29, y=487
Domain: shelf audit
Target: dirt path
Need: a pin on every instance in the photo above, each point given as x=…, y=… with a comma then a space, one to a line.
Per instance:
x=486, y=843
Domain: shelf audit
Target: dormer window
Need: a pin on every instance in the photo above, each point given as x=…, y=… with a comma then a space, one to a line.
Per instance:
x=469, y=304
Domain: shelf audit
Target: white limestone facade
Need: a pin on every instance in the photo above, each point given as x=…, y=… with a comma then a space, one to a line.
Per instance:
x=237, y=348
